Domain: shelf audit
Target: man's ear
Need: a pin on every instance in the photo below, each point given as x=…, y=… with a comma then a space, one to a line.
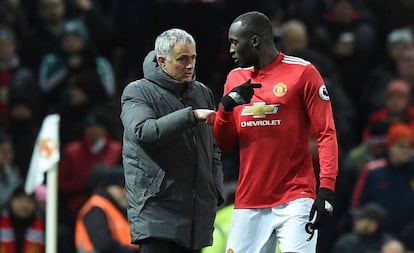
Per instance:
x=255, y=41
x=161, y=60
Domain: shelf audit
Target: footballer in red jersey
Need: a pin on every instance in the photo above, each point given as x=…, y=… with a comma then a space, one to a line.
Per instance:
x=273, y=105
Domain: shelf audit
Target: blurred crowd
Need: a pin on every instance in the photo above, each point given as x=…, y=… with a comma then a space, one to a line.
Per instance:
x=74, y=57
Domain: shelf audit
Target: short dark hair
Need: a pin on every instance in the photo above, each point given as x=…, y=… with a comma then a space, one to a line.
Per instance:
x=371, y=210
x=256, y=23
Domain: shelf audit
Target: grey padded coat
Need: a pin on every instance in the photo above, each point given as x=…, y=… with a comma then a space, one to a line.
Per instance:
x=172, y=165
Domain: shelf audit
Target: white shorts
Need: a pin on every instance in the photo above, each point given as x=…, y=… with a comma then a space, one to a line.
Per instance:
x=258, y=230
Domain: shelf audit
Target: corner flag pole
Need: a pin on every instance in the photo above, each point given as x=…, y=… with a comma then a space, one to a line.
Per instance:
x=51, y=210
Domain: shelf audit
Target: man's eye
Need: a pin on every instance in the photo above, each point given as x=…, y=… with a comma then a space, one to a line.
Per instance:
x=186, y=60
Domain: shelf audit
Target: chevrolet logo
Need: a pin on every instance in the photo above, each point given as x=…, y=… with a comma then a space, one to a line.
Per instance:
x=259, y=110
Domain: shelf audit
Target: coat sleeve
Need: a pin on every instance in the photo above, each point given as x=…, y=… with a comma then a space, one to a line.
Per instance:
x=360, y=189
x=140, y=120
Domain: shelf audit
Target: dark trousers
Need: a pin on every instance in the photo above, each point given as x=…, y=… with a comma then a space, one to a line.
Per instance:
x=153, y=245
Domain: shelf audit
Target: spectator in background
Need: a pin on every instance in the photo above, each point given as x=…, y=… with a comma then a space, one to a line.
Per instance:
x=404, y=71
x=75, y=79
x=14, y=79
x=9, y=174
x=293, y=37
x=396, y=41
x=80, y=166
x=391, y=14
x=371, y=148
x=13, y=15
x=99, y=26
x=396, y=106
x=144, y=18
x=19, y=99
x=393, y=246
x=355, y=160
x=45, y=33
x=349, y=37
x=25, y=125
x=22, y=226
x=294, y=41
x=40, y=195
x=407, y=234
x=95, y=147
x=389, y=181
x=49, y=24
x=378, y=79
x=368, y=234
x=101, y=224
x=405, y=68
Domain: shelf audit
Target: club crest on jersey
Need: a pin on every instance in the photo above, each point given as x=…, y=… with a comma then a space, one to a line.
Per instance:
x=323, y=93
x=259, y=109
x=280, y=89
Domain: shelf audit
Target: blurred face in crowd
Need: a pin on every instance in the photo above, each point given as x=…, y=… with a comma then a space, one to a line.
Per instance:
x=393, y=246
x=401, y=151
x=23, y=206
x=72, y=43
x=118, y=193
x=95, y=131
x=398, y=99
x=365, y=226
x=51, y=11
x=397, y=103
x=21, y=112
x=405, y=65
x=294, y=36
x=181, y=66
x=6, y=153
x=7, y=49
x=343, y=11
x=397, y=50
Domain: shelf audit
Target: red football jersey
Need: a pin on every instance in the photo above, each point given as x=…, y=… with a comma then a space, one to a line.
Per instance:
x=273, y=133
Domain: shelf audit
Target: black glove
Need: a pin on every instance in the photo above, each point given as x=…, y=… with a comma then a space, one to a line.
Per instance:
x=239, y=95
x=321, y=211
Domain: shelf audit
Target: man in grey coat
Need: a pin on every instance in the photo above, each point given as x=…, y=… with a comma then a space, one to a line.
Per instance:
x=172, y=165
